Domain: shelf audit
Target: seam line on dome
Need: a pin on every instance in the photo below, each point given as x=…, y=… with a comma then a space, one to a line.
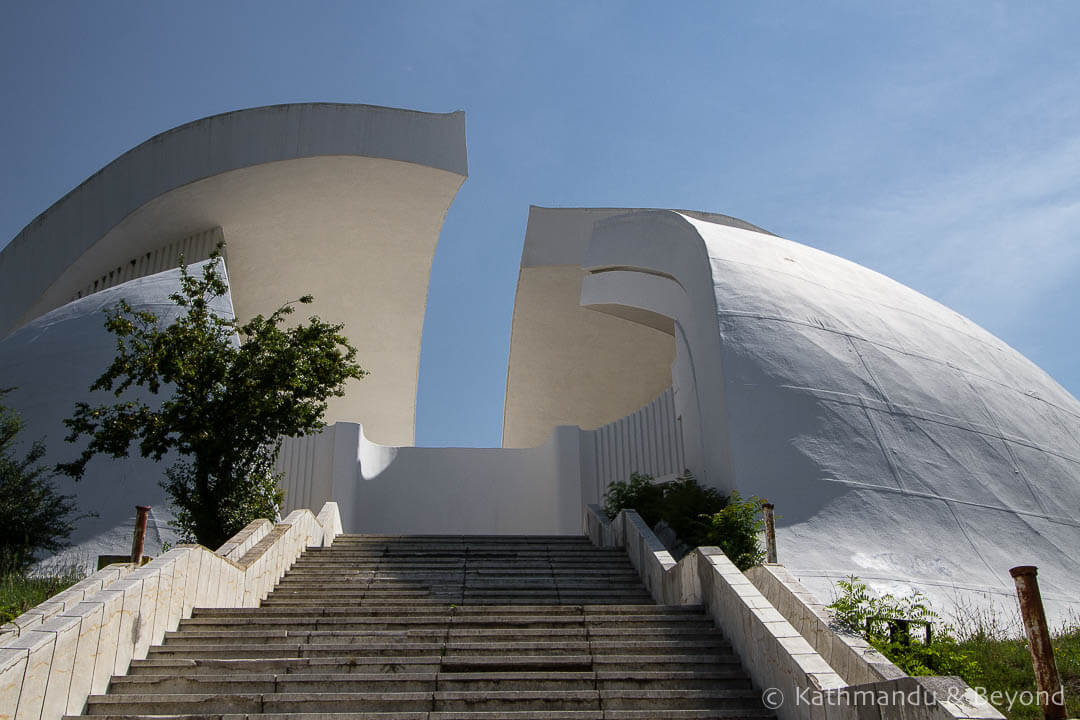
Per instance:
x=736, y=314
x=931, y=496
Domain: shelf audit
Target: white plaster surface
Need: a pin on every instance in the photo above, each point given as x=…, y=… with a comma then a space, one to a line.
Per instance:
x=48, y=670
x=344, y=202
x=402, y=490
x=899, y=441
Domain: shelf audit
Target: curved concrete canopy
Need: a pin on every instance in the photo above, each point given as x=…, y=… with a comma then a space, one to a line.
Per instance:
x=606, y=364
x=899, y=441
x=341, y=201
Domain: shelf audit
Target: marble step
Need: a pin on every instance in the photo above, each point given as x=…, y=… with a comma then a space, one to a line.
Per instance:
x=449, y=700
x=246, y=683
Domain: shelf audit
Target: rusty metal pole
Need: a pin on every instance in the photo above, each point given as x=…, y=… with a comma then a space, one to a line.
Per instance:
x=141, y=513
x=1051, y=695
x=770, y=532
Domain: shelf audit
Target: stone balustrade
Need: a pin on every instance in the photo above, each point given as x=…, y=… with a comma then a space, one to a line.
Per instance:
x=55, y=655
x=854, y=658
x=782, y=635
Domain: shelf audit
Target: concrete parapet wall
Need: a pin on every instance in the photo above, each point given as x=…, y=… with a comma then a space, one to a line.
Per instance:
x=785, y=661
x=330, y=520
x=416, y=490
x=850, y=655
x=63, y=601
x=54, y=656
x=771, y=650
x=905, y=698
x=246, y=539
x=393, y=490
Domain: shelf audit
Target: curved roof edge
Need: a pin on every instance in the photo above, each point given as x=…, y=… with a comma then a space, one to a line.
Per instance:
x=559, y=235
x=204, y=148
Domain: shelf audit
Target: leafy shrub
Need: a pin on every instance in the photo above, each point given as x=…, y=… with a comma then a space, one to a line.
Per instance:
x=735, y=529
x=856, y=605
x=639, y=493
x=687, y=505
x=856, y=610
x=698, y=515
x=941, y=656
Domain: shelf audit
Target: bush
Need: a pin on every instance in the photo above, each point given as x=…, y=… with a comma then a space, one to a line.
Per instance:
x=735, y=530
x=698, y=515
x=857, y=611
x=33, y=516
x=941, y=656
x=640, y=494
x=687, y=507
x=855, y=605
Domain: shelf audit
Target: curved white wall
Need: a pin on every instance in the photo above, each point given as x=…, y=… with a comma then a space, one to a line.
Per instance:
x=899, y=441
x=605, y=366
x=608, y=366
x=906, y=443
x=341, y=201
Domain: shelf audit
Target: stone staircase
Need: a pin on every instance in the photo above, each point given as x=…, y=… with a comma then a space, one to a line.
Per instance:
x=444, y=627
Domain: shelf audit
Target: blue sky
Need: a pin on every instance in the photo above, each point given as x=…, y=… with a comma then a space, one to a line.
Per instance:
x=936, y=142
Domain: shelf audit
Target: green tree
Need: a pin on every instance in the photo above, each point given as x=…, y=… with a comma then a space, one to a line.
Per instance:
x=232, y=392
x=33, y=516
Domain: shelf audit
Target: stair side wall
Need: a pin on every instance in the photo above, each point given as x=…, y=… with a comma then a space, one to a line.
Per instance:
x=53, y=666
x=795, y=679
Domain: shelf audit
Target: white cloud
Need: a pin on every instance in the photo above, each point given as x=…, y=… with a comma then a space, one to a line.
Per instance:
x=993, y=238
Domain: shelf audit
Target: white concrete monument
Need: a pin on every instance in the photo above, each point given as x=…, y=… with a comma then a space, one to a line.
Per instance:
x=344, y=202
x=898, y=440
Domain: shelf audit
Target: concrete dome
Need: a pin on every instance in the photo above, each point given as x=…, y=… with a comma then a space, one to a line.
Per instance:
x=899, y=441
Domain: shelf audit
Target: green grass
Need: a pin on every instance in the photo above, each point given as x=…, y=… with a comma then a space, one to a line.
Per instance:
x=984, y=645
x=1004, y=665
x=19, y=593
